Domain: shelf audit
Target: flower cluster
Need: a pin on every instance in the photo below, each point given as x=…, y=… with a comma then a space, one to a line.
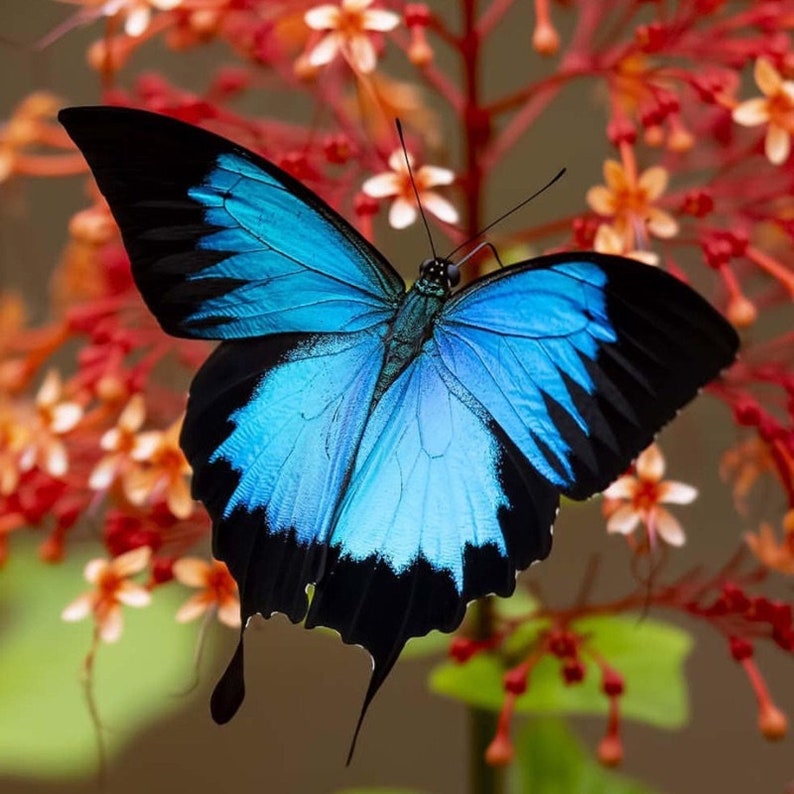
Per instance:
x=698, y=180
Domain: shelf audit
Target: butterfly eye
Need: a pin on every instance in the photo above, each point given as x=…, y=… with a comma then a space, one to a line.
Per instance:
x=453, y=274
x=425, y=267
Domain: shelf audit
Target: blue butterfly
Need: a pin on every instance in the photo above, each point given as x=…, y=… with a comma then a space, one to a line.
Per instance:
x=401, y=452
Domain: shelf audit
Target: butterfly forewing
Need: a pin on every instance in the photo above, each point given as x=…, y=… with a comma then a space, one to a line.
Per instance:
x=223, y=244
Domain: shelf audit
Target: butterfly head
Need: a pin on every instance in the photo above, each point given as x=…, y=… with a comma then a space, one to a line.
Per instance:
x=440, y=272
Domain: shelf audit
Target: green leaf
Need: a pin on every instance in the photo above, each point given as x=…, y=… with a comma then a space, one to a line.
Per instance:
x=649, y=655
x=45, y=728
x=552, y=761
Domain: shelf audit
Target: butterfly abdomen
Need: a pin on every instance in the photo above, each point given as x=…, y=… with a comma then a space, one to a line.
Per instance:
x=412, y=326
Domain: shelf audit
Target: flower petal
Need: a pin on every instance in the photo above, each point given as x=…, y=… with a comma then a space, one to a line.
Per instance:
x=615, y=175
x=623, y=521
x=229, y=613
x=379, y=19
x=777, y=144
x=131, y=562
x=104, y=473
x=56, y=462
x=439, y=206
x=111, y=624
x=607, y=240
x=94, y=569
x=661, y=224
x=623, y=488
x=193, y=608
x=361, y=54
x=325, y=50
x=601, y=200
x=402, y=213
x=767, y=77
x=134, y=413
x=382, y=185
x=432, y=175
x=79, y=609
x=179, y=500
x=65, y=416
x=677, y=493
x=650, y=464
x=136, y=23
x=50, y=390
x=325, y=17
x=668, y=528
x=146, y=444
x=133, y=595
x=653, y=182
x=752, y=112
x=192, y=571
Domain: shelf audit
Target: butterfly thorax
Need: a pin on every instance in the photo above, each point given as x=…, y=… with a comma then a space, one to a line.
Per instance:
x=413, y=323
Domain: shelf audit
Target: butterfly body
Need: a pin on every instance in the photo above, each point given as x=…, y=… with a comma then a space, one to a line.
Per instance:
x=412, y=325
x=403, y=453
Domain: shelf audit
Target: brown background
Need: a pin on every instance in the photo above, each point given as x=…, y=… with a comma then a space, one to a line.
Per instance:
x=305, y=690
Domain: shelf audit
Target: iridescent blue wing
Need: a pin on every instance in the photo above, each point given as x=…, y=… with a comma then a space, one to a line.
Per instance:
x=271, y=430
x=441, y=508
x=581, y=359
x=544, y=378
x=223, y=244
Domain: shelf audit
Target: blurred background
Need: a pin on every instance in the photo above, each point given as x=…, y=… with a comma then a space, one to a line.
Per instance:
x=305, y=688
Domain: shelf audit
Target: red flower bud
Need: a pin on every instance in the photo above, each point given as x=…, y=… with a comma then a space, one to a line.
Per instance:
x=461, y=649
x=741, y=649
x=612, y=683
x=572, y=671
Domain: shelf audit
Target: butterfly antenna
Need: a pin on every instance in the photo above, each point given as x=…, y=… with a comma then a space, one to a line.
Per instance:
x=506, y=214
x=413, y=185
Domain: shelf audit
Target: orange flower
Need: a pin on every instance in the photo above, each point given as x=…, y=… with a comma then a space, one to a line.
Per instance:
x=163, y=475
x=779, y=556
x=137, y=13
x=123, y=444
x=775, y=108
x=643, y=496
x=744, y=464
x=218, y=590
x=629, y=200
x=33, y=124
x=347, y=27
x=54, y=417
x=14, y=438
x=608, y=241
x=112, y=589
x=397, y=184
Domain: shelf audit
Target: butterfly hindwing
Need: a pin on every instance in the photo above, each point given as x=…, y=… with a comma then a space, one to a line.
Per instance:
x=223, y=244
x=441, y=509
x=271, y=430
x=582, y=358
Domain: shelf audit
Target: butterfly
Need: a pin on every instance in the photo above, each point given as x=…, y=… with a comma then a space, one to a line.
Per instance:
x=399, y=454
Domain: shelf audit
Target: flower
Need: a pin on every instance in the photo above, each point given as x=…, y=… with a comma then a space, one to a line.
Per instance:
x=629, y=200
x=31, y=125
x=775, y=108
x=643, y=495
x=113, y=588
x=608, y=241
x=779, y=556
x=346, y=28
x=218, y=590
x=54, y=417
x=163, y=475
x=137, y=13
x=397, y=183
x=124, y=445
